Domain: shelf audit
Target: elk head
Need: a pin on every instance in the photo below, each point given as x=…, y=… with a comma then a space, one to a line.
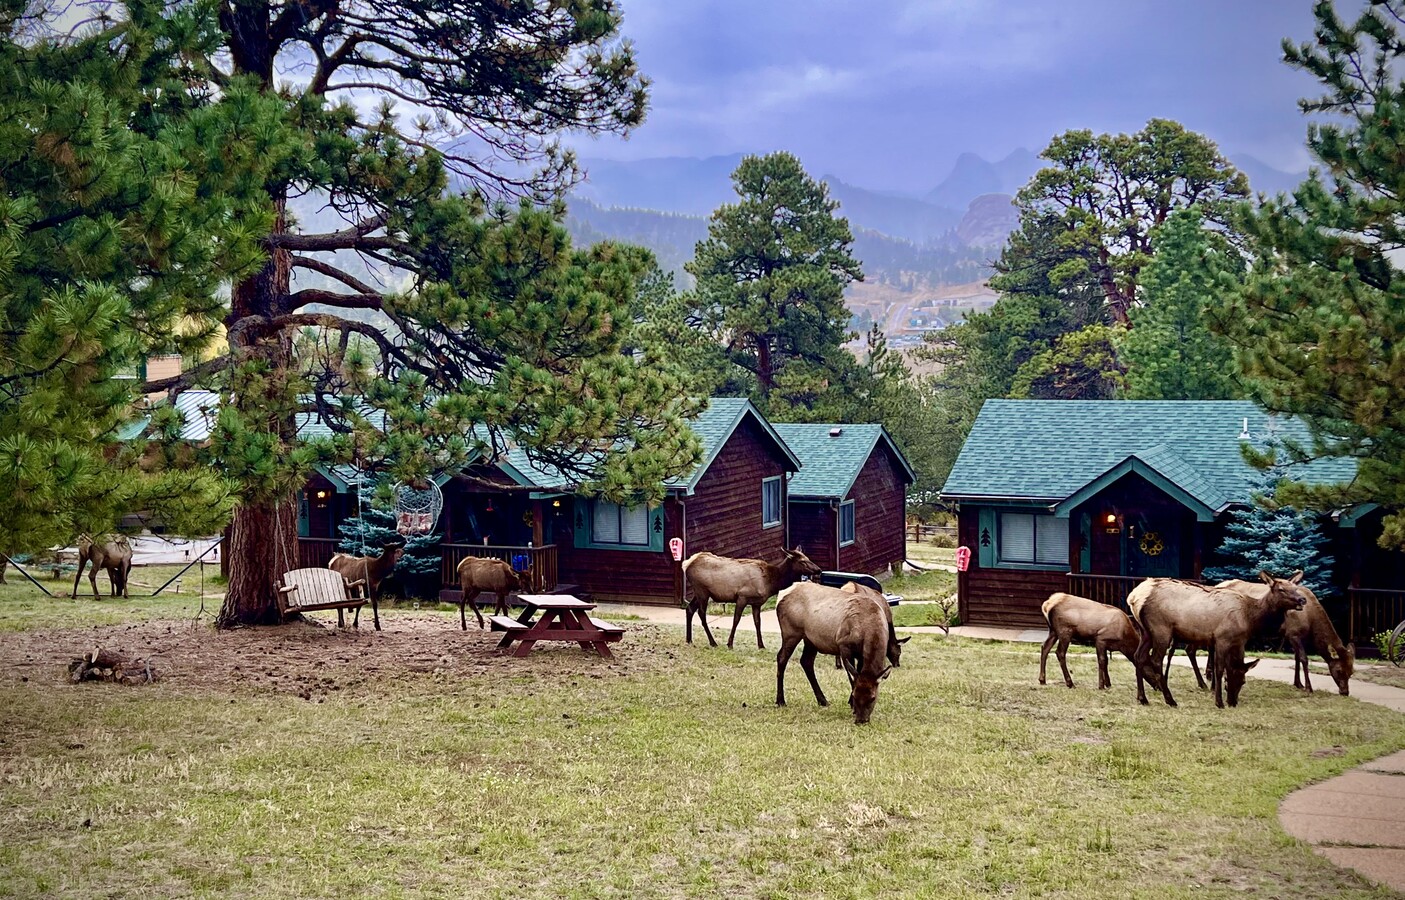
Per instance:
x=1286, y=594
x=1341, y=662
x=802, y=565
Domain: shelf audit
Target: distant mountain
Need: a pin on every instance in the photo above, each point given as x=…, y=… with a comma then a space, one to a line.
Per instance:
x=893, y=215
x=988, y=221
x=1264, y=178
x=973, y=176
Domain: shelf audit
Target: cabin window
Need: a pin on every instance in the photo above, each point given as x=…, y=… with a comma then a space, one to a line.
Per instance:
x=771, y=502
x=612, y=523
x=846, y=523
x=1033, y=539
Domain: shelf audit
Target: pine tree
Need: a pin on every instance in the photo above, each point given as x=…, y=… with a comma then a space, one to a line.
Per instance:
x=771, y=278
x=395, y=261
x=127, y=201
x=1170, y=352
x=1319, y=328
x=1273, y=538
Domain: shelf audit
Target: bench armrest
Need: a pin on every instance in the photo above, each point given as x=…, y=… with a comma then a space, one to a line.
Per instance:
x=289, y=589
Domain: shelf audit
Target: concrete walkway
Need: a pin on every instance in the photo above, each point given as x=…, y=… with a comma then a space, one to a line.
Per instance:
x=1357, y=820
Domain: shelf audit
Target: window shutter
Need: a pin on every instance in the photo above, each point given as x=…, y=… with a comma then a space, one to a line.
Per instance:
x=985, y=537
x=1051, y=544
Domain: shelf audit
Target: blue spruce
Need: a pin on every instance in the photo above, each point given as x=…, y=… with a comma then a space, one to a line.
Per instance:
x=1272, y=538
x=417, y=572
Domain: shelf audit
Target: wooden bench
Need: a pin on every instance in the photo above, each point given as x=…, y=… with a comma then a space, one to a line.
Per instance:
x=305, y=590
x=607, y=627
x=506, y=623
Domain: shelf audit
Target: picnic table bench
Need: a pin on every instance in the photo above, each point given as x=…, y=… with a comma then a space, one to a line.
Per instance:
x=305, y=590
x=562, y=618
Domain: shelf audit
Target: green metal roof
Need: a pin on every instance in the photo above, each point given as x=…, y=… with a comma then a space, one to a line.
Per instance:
x=832, y=455
x=1053, y=450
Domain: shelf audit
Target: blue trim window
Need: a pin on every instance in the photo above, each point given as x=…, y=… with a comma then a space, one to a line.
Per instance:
x=770, y=502
x=846, y=523
x=612, y=523
x=1033, y=539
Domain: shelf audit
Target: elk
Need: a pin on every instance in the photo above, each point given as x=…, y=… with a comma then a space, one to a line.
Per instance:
x=1307, y=630
x=1223, y=618
x=113, y=554
x=1074, y=618
x=478, y=575
x=371, y=569
x=849, y=624
x=745, y=582
x=1190, y=650
x=895, y=644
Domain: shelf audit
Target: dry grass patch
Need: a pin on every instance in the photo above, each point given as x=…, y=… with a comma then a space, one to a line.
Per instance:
x=432, y=767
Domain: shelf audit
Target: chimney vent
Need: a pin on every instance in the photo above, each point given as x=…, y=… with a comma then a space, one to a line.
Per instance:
x=1244, y=434
x=836, y=431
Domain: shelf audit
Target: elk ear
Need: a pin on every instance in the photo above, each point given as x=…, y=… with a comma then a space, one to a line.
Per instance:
x=1265, y=577
x=799, y=552
x=885, y=673
x=1351, y=652
x=904, y=640
x=1296, y=577
x=1249, y=666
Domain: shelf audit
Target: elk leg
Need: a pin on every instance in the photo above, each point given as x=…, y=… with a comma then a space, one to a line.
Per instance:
x=1104, y=682
x=756, y=618
x=782, y=660
x=375, y=610
x=1300, y=653
x=1044, y=654
x=807, y=662
x=737, y=609
x=341, y=617
x=77, y=575
x=1217, y=679
x=1195, y=666
x=126, y=574
x=1061, y=651
x=1157, y=664
x=356, y=618
x=1170, y=652
x=93, y=580
x=699, y=605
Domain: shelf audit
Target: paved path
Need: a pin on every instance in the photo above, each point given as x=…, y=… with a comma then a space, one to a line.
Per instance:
x=1357, y=820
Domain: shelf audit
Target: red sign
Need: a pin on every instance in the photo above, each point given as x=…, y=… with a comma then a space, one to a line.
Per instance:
x=963, y=558
x=675, y=546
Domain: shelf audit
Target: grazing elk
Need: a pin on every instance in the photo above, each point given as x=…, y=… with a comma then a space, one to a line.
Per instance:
x=895, y=644
x=1079, y=619
x=1307, y=630
x=1190, y=650
x=478, y=575
x=113, y=554
x=371, y=569
x=745, y=582
x=1168, y=610
x=849, y=624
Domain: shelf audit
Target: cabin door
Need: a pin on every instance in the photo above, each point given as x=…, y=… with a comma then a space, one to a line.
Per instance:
x=1151, y=546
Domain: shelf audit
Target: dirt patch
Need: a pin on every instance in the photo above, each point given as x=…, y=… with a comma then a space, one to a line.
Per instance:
x=312, y=659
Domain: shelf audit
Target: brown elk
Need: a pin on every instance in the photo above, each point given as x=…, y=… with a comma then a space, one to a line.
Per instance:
x=745, y=582
x=1190, y=651
x=849, y=624
x=895, y=644
x=1168, y=610
x=113, y=554
x=1074, y=618
x=478, y=575
x=1307, y=630
x=371, y=569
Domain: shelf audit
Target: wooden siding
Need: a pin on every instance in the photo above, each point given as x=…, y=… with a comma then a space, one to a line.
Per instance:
x=813, y=527
x=880, y=497
x=994, y=596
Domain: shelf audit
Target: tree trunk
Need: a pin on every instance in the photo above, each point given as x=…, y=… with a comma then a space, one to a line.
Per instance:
x=262, y=545
x=765, y=371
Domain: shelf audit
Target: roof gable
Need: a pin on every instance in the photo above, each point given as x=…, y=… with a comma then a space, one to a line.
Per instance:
x=830, y=462
x=1053, y=449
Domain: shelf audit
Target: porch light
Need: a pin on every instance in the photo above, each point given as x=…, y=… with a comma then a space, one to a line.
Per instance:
x=1112, y=518
x=321, y=495
x=556, y=503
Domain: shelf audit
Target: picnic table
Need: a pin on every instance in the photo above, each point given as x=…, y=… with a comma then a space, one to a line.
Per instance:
x=562, y=618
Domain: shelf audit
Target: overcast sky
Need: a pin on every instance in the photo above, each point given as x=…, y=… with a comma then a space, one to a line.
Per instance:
x=886, y=93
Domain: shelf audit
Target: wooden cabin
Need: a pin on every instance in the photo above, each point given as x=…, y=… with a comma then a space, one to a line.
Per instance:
x=1091, y=497
x=847, y=501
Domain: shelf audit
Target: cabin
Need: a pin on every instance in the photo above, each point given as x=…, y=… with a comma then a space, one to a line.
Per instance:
x=1091, y=497
x=847, y=502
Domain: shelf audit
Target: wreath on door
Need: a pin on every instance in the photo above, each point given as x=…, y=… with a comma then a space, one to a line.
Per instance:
x=1151, y=543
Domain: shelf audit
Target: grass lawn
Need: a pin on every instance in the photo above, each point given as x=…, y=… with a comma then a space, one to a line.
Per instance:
x=301, y=761
x=24, y=607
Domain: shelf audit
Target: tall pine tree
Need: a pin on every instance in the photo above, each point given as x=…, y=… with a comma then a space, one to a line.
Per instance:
x=1319, y=328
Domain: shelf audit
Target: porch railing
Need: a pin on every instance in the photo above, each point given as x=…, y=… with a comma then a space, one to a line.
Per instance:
x=540, y=563
x=1373, y=610
x=1109, y=589
x=315, y=553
